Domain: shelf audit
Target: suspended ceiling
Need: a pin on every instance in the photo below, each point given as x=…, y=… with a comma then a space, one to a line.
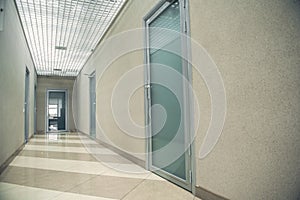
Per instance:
x=62, y=34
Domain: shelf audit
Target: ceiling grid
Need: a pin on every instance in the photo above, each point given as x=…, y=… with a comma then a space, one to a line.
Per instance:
x=62, y=34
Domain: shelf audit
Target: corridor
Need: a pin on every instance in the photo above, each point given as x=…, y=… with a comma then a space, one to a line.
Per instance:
x=155, y=99
x=72, y=166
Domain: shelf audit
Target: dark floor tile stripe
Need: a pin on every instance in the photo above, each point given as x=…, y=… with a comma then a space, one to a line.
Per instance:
x=62, y=137
x=64, y=144
x=106, y=158
x=53, y=143
x=58, y=155
x=76, y=156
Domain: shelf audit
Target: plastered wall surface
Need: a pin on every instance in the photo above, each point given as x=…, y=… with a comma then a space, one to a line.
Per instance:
x=255, y=45
x=108, y=129
x=14, y=57
x=44, y=83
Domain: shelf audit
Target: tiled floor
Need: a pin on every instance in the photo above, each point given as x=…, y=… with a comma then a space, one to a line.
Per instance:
x=72, y=166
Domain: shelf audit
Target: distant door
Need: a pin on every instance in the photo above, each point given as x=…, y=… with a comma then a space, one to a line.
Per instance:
x=56, y=110
x=92, y=105
x=26, y=106
x=169, y=137
x=35, y=109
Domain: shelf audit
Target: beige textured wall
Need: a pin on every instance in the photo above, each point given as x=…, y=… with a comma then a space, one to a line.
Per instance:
x=256, y=46
x=130, y=18
x=44, y=83
x=14, y=57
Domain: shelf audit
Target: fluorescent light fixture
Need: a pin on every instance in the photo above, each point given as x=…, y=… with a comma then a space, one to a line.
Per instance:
x=62, y=33
x=60, y=48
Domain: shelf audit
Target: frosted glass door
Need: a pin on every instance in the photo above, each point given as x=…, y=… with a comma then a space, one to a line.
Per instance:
x=56, y=111
x=169, y=157
x=93, y=106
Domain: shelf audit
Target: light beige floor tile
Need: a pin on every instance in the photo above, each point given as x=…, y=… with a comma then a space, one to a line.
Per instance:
x=116, y=173
x=91, y=168
x=150, y=190
x=6, y=186
x=110, y=158
x=103, y=151
x=72, y=196
x=196, y=198
x=155, y=177
x=65, y=167
x=28, y=193
x=107, y=186
x=131, y=168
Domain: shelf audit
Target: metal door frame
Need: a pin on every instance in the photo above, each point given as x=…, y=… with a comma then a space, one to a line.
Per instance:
x=35, y=109
x=66, y=111
x=26, y=105
x=92, y=106
x=187, y=93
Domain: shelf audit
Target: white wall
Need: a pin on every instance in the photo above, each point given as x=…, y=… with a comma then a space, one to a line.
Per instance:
x=14, y=57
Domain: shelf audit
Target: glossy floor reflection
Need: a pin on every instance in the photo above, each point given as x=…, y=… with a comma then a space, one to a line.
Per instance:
x=72, y=166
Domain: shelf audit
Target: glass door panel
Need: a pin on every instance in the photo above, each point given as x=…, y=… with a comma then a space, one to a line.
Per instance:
x=93, y=106
x=56, y=111
x=169, y=157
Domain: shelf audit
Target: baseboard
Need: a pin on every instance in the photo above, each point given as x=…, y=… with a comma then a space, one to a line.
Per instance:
x=10, y=159
x=126, y=155
x=205, y=194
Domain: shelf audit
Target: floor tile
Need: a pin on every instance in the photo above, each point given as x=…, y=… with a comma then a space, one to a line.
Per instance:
x=21, y=175
x=103, y=151
x=43, y=163
x=28, y=193
x=60, y=144
x=58, y=155
x=6, y=186
x=72, y=196
x=196, y=198
x=59, y=181
x=153, y=176
x=111, y=158
x=116, y=173
x=131, y=168
x=86, y=167
x=73, y=141
x=56, y=149
x=107, y=186
x=31, y=193
x=149, y=190
x=72, y=166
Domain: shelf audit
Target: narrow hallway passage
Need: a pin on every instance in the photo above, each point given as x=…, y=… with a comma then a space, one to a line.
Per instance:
x=72, y=166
